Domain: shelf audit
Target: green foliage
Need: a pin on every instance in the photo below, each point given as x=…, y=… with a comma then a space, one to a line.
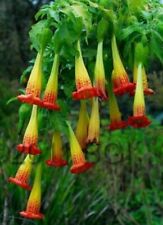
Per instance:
x=40, y=35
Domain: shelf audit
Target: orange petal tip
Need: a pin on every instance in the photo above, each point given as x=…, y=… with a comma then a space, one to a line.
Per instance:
x=138, y=121
x=81, y=168
x=19, y=183
x=56, y=163
x=30, y=215
x=28, y=149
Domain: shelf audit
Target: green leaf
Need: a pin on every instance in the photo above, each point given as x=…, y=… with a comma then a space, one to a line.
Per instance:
x=102, y=29
x=40, y=35
x=80, y=10
x=156, y=46
x=13, y=99
x=66, y=35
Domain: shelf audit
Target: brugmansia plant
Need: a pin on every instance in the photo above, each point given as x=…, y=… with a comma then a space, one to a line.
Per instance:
x=85, y=52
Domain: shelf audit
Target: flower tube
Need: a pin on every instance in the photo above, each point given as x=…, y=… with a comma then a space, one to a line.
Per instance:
x=34, y=202
x=116, y=121
x=82, y=125
x=83, y=83
x=57, y=159
x=33, y=89
x=94, y=124
x=139, y=119
x=147, y=90
x=29, y=145
x=100, y=73
x=51, y=91
x=120, y=78
x=22, y=176
x=80, y=165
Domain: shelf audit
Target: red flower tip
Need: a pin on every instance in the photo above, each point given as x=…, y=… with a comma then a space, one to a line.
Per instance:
x=30, y=99
x=28, y=149
x=19, y=183
x=148, y=91
x=138, y=121
x=124, y=88
x=56, y=162
x=31, y=215
x=102, y=94
x=85, y=93
x=81, y=167
x=48, y=105
x=117, y=125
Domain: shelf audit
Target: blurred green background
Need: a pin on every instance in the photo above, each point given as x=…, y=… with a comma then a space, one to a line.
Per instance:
x=124, y=188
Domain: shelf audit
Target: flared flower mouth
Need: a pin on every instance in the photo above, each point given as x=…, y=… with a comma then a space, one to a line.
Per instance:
x=138, y=121
x=115, y=125
x=30, y=99
x=51, y=106
x=102, y=94
x=20, y=183
x=56, y=162
x=31, y=215
x=127, y=87
x=81, y=167
x=85, y=93
x=147, y=91
x=28, y=149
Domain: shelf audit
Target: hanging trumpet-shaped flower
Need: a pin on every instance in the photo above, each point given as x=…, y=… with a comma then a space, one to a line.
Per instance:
x=33, y=89
x=116, y=121
x=120, y=78
x=34, y=202
x=22, y=176
x=51, y=91
x=57, y=159
x=147, y=90
x=139, y=118
x=83, y=83
x=82, y=125
x=29, y=145
x=80, y=165
x=94, y=124
x=100, y=72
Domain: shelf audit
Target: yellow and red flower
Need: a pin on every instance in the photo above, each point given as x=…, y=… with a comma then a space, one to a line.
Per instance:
x=34, y=202
x=29, y=145
x=57, y=159
x=83, y=82
x=116, y=121
x=80, y=164
x=22, y=176
x=82, y=125
x=100, y=80
x=147, y=90
x=139, y=119
x=51, y=91
x=33, y=89
x=94, y=124
x=120, y=78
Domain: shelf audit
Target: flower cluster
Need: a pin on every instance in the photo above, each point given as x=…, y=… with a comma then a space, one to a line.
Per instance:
x=89, y=91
